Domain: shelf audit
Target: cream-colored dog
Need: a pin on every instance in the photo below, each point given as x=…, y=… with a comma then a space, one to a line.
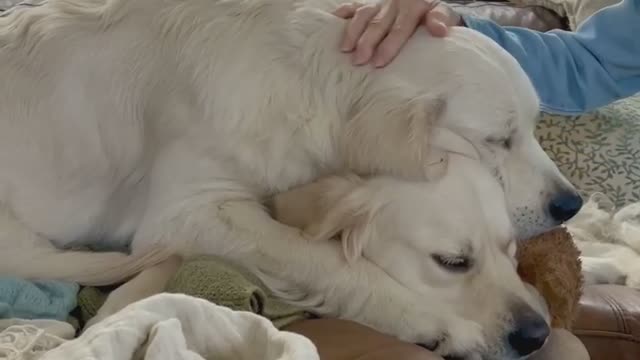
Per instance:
x=162, y=124
x=456, y=262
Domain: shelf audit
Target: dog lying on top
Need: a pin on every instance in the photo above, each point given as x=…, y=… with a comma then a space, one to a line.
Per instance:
x=161, y=125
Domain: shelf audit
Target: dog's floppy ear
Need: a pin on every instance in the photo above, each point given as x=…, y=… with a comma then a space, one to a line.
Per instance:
x=335, y=206
x=389, y=132
x=351, y=218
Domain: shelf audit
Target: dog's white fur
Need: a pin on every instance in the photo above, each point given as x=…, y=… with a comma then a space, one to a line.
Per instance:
x=163, y=123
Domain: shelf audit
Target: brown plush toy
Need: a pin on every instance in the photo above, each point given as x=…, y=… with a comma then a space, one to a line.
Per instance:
x=550, y=262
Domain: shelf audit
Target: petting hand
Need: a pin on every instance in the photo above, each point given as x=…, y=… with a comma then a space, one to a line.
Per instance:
x=378, y=31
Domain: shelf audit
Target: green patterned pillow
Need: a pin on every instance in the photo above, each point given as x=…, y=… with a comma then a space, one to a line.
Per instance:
x=600, y=151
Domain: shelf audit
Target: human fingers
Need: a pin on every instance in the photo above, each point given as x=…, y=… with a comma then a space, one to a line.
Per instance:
x=360, y=19
x=346, y=11
x=440, y=19
x=407, y=19
x=375, y=32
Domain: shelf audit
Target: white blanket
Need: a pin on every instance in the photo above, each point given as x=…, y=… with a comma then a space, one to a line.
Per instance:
x=180, y=327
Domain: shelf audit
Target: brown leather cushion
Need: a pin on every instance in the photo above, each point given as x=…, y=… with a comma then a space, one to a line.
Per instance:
x=608, y=322
x=345, y=340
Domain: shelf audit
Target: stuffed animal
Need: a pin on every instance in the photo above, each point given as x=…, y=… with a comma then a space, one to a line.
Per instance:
x=550, y=262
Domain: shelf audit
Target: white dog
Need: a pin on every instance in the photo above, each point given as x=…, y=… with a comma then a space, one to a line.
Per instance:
x=162, y=124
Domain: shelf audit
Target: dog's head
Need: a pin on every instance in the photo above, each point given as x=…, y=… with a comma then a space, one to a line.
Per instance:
x=539, y=197
x=488, y=109
x=450, y=242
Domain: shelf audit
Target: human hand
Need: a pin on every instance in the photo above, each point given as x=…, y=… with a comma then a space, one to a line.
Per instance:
x=377, y=32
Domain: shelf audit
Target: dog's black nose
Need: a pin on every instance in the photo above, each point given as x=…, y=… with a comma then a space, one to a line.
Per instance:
x=530, y=334
x=565, y=206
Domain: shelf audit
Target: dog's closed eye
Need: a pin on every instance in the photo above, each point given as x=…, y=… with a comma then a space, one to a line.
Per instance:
x=453, y=263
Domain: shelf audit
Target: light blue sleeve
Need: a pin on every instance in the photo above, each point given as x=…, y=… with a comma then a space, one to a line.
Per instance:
x=575, y=72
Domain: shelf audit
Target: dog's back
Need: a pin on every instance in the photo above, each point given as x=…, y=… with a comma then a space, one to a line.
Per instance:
x=92, y=88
